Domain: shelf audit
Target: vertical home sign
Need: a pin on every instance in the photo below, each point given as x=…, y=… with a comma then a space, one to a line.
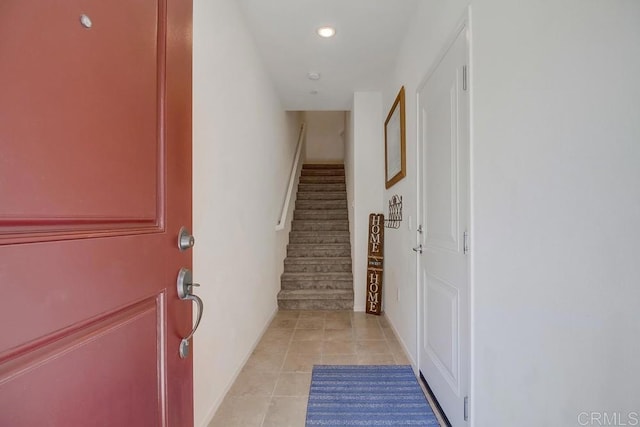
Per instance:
x=374, y=263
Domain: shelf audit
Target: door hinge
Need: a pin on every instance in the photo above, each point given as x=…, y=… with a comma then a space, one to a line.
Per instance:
x=466, y=408
x=464, y=77
x=465, y=243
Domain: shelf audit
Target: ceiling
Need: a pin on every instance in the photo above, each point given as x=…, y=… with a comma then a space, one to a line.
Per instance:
x=358, y=58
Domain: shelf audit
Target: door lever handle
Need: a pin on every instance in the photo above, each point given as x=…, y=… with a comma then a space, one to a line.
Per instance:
x=418, y=249
x=185, y=293
x=184, y=344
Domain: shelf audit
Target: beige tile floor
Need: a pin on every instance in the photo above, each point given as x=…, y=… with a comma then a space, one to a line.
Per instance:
x=273, y=387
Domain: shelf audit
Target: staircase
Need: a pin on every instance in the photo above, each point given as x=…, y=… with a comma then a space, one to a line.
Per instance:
x=317, y=271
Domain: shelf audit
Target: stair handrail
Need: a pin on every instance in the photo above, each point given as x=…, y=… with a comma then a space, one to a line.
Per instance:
x=292, y=178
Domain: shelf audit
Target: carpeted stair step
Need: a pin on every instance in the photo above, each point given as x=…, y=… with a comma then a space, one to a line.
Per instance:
x=321, y=187
x=321, y=179
x=312, y=225
x=325, y=214
x=318, y=265
x=319, y=237
x=323, y=166
x=317, y=281
x=322, y=172
x=328, y=299
x=322, y=195
x=319, y=250
x=321, y=204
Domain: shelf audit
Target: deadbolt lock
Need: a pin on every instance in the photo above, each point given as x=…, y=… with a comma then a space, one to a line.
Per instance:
x=185, y=240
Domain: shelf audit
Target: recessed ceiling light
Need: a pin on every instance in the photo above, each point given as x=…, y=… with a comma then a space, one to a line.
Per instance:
x=313, y=76
x=326, y=31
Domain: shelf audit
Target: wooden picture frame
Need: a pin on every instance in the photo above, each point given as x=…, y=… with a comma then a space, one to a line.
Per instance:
x=395, y=160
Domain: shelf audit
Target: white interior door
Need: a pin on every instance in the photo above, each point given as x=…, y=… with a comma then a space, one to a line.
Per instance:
x=443, y=132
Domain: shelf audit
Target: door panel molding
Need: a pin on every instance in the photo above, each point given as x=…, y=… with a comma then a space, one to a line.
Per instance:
x=102, y=94
x=131, y=335
x=436, y=217
x=58, y=342
x=438, y=290
x=76, y=230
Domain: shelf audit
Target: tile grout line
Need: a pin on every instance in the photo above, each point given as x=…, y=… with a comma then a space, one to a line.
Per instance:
x=264, y=417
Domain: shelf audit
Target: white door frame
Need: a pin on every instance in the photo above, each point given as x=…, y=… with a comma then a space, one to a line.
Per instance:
x=464, y=23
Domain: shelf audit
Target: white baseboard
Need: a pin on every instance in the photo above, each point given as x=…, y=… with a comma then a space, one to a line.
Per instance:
x=414, y=365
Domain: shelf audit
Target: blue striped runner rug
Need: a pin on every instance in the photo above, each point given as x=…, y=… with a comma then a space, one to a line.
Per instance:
x=367, y=396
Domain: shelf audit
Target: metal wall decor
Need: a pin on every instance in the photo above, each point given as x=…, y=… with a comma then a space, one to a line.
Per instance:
x=395, y=212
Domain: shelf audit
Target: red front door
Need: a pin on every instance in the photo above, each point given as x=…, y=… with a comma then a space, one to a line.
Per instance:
x=95, y=182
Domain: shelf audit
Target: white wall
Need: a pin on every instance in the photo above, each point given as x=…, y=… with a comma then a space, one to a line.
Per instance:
x=325, y=136
x=243, y=145
x=365, y=180
x=556, y=206
x=556, y=201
